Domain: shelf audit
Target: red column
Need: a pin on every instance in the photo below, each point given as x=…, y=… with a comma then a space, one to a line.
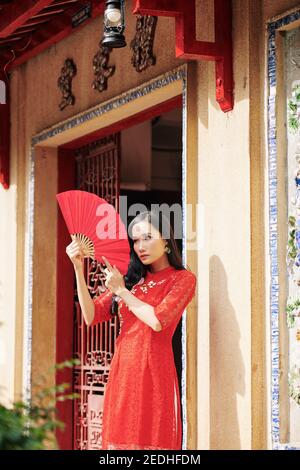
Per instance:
x=4, y=130
x=64, y=301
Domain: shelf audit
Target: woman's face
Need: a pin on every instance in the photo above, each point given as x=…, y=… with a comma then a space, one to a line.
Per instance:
x=147, y=242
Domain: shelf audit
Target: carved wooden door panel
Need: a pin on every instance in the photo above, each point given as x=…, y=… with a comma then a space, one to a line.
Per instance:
x=98, y=170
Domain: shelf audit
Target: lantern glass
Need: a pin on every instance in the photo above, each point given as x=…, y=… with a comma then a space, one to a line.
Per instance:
x=112, y=18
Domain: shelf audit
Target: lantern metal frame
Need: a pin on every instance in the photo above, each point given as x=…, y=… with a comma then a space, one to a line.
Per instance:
x=113, y=36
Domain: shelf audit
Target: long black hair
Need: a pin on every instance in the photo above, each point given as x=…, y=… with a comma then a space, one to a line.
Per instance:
x=136, y=269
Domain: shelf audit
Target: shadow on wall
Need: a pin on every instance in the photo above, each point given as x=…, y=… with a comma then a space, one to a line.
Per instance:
x=227, y=378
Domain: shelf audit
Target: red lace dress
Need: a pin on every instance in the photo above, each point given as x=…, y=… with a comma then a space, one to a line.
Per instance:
x=142, y=401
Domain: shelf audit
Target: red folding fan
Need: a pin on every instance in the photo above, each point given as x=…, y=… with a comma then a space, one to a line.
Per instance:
x=97, y=226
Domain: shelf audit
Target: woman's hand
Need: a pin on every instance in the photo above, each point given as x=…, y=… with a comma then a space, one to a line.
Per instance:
x=114, y=280
x=75, y=254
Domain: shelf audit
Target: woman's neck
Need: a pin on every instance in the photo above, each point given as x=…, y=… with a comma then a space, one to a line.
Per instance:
x=159, y=264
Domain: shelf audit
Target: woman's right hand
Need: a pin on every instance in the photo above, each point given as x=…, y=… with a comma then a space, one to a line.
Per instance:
x=74, y=252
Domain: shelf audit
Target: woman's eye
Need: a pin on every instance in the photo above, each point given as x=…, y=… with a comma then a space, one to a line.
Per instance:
x=147, y=237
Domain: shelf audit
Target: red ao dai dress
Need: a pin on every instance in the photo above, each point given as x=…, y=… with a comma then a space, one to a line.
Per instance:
x=142, y=402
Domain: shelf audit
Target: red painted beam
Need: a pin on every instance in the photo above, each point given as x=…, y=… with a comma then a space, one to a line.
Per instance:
x=189, y=48
x=4, y=134
x=224, y=65
x=158, y=7
x=18, y=13
x=56, y=30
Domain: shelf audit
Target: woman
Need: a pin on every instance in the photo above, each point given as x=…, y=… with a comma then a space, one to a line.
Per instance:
x=142, y=401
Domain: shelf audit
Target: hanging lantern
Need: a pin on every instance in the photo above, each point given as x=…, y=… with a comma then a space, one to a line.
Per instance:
x=114, y=24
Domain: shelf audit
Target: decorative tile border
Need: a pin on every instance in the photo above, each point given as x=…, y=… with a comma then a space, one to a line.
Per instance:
x=184, y=231
x=179, y=73
x=28, y=266
x=273, y=231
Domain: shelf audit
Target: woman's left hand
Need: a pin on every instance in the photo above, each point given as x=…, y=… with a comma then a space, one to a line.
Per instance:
x=114, y=280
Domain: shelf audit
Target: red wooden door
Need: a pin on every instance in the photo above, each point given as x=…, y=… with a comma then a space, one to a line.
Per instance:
x=98, y=171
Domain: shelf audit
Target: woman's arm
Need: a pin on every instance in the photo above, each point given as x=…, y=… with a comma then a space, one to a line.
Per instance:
x=170, y=309
x=142, y=310
x=115, y=283
x=86, y=303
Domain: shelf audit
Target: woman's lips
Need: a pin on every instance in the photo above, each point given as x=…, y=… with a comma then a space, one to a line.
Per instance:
x=143, y=256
